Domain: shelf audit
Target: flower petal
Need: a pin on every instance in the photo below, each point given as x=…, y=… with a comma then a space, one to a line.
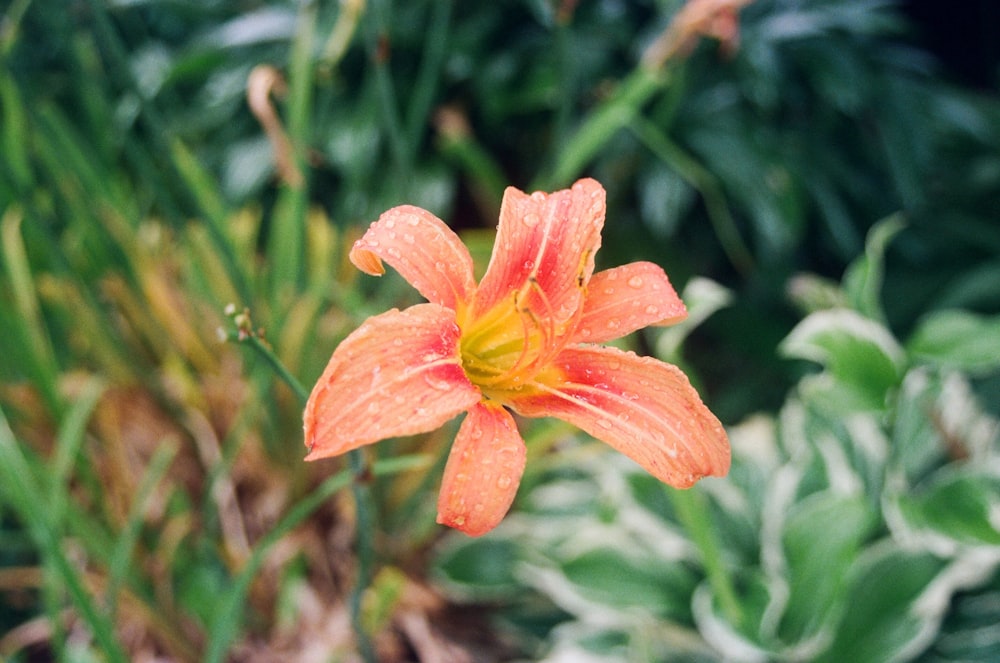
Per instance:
x=483, y=472
x=549, y=242
x=398, y=374
x=621, y=300
x=644, y=408
x=423, y=249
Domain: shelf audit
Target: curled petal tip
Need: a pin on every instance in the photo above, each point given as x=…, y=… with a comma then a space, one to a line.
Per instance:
x=365, y=260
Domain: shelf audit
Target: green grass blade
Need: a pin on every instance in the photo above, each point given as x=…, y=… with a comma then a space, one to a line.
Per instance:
x=30, y=500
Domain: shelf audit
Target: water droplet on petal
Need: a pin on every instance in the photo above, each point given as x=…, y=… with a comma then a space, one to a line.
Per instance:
x=605, y=424
x=504, y=482
x=635, y=282
x=652, y=310
x=413, y=221
x=614, y=323
x=409, y=238
x=436, y=383
x=531, y=220
x=390, y=223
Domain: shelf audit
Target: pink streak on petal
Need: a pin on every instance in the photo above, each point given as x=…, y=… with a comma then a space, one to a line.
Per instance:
x=483, y=472
x=551, y=238
x=644, y=408
x=398, y=374
x=423, y=249
x=621, y=300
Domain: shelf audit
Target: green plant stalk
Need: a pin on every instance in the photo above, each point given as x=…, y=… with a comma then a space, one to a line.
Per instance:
x=203, y=188
x=695, y=516
x=704, y=182
x=125, y=544
x=230, y=614
x=362, y=500
x=603, y=123
x=378, y=53
x=29, y=500
x=286, y=247
x=431, y=64
x=36, y=336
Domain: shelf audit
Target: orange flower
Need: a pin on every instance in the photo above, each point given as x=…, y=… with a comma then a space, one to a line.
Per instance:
x=522, y=339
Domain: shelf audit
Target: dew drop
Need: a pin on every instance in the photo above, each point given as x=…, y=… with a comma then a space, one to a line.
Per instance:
x=528, y=264
x=531, y=220
x=436, y=383
x=413, y=221
x=605, y=424
x=635, y=282
x=409, y=238
x=614, y=323
x=390, y=223
x=504, y=482
x=652, y=310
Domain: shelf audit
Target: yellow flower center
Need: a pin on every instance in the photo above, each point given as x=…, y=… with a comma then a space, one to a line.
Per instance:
x=501, y=348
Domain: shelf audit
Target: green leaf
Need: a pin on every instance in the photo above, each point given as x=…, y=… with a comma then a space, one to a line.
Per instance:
x=610, y=577
x=861, y=357
x=960, y=506
x=882, y=624
x=958, y=339
x=863, y=278
x=480, y=568
x=822, y=537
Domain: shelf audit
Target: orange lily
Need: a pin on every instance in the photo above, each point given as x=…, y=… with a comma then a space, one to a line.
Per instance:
x=523, y=339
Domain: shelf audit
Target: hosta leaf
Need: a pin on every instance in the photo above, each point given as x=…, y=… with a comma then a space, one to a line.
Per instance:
x=860, y=355
x=958, y=339
x=882, y=624
x=961, y=506
x=822, y=537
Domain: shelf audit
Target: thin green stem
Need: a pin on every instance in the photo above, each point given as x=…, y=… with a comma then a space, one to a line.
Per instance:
x=428, y=76
x=378, y=51
x=603, y=123
x=704, y=182
x=364, y=526
x=359, y=474
x=265, y=351
x=695, y=516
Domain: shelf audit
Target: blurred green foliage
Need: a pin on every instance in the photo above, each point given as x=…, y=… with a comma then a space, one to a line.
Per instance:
x=140, y=194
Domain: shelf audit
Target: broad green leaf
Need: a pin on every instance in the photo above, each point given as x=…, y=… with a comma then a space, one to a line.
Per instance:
x=611, y=577
x=960, y=505
x=882, y=624
x=480, y=568
x=859, y=355
x=822, y=537
x=958, y=339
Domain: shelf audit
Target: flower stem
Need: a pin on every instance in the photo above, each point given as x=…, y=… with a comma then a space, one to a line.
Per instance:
x=364, y=526
x=694, y=515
